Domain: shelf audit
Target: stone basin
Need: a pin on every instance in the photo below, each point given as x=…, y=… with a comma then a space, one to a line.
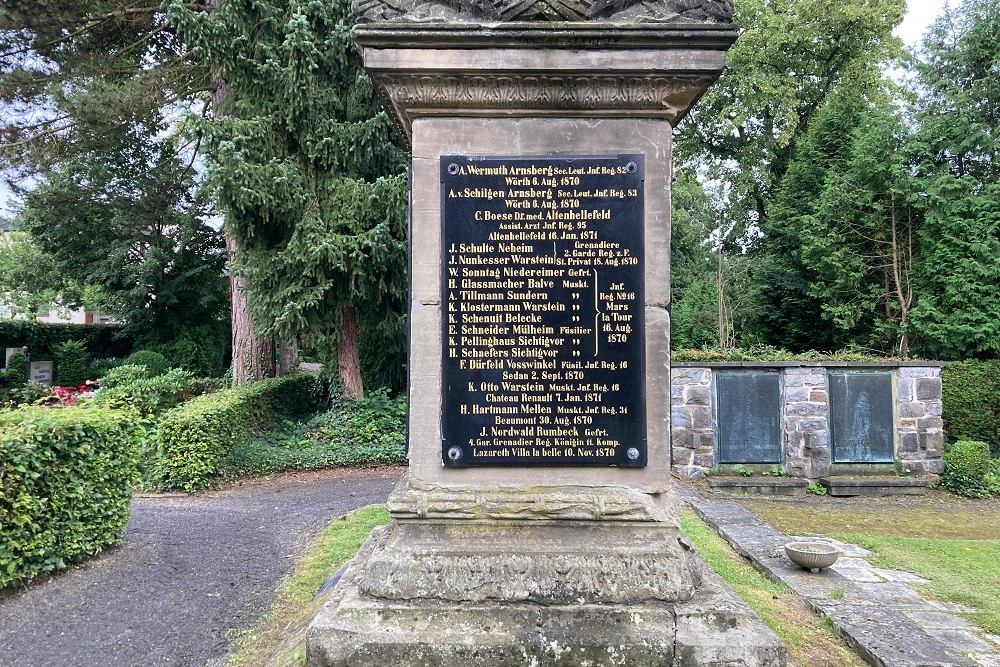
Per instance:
x=812, y=556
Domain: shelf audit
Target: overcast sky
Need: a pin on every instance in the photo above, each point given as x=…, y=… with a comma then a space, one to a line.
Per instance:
x=919, y=15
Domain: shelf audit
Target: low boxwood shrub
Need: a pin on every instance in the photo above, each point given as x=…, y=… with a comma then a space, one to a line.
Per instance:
x=155, y=363
x=72, y=369
x=195, y=437
x=130, y=387
x=967, y=467
x=371, y=431
x=66, y=479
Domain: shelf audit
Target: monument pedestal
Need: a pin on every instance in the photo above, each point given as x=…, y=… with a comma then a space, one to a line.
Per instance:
x=569, y=577
x=537, y=524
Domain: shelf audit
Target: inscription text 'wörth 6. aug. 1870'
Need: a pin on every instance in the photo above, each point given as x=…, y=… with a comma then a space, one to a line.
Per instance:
x=542, y=288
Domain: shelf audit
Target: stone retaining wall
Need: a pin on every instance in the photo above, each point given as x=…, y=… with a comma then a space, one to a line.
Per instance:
x=805, y=416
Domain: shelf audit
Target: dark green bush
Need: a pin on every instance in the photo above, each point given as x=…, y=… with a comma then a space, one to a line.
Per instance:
x=13, y=378
x=155, y=363
x=102, y=340
x=17, y=369
x=966, y=468
x=195, y=437
x=371, y=431
x=100, y=367
x=66, y=478
x=972, y=402
x=202, y=350
x=72, y=369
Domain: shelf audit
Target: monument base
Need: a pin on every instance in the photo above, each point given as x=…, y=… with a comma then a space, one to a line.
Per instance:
x=492, y=592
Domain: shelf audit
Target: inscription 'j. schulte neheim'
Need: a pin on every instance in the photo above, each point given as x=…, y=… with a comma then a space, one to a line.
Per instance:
x=542, y=288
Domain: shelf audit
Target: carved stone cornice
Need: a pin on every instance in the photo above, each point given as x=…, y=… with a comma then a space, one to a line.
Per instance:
x=532, y=69
x=544, y=11
x=660, y=96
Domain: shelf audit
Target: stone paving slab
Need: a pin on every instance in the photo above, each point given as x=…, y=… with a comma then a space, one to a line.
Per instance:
x=880, y=616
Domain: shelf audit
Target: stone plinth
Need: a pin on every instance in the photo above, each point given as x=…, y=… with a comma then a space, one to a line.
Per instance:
x=537, y=564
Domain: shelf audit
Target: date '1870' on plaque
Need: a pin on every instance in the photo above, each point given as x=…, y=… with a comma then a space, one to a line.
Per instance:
x=542, y=289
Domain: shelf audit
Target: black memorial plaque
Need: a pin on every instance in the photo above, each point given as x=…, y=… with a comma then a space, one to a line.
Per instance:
x=861, y=417
x=542, y=286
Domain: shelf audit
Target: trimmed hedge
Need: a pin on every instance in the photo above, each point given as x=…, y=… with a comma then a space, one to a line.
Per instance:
x=972, y=402
x=967, y=468
x=102, y=340
x=195, y=437
x=66, y=479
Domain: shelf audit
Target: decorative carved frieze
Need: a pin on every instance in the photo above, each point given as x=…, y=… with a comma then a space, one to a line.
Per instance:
x=413, y=95
x=619, y=93
x=615, y=11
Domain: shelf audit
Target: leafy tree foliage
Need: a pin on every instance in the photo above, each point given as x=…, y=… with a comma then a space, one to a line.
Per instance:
x=791, y=56
x=841, y=241
x=91, y=93
x=108, y=218
x=304, y=162
x=30, y=282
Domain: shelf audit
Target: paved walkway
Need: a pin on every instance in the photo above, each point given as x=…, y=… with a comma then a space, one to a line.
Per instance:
x=192, y=571
x=879, y=614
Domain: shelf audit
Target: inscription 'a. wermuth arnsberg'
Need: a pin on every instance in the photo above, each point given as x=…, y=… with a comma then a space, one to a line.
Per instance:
x=543, y=311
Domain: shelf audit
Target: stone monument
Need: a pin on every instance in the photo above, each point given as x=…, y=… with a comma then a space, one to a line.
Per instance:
x=537, y=524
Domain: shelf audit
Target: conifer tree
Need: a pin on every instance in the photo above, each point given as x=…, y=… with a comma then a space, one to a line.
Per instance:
x=305, y=165
x=958, y=142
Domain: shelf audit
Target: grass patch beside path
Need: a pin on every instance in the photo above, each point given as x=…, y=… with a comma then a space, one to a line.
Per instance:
x=295, y=603
x=962, y=571
x=811, y=639
x=955, y=544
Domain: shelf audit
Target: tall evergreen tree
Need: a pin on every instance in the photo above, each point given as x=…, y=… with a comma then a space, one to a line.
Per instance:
x=304, y=163
x=958, y=111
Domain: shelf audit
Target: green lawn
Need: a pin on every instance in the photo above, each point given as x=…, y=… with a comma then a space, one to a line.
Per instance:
x=811, y=639
x=953, y=543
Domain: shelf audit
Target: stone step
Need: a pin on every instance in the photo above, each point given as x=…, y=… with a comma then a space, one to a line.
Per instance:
x=767, y=486
x=875, y=486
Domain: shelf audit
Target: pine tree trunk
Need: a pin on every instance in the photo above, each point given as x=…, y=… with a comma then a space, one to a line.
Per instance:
x=348, y=357
x=288, y=357
x=253, y=355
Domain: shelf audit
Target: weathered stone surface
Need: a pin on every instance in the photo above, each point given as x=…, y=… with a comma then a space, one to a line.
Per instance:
x=413, y=499
x=562, y=562
x=713, y=629
x=886, y=638
x=876, y=486
x=717, y=629
x=769, y=486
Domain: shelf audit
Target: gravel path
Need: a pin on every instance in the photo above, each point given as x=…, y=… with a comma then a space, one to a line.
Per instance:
x=192, y=569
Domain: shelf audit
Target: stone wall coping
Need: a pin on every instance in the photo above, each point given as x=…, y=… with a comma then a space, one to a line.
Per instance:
x=807, y=364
